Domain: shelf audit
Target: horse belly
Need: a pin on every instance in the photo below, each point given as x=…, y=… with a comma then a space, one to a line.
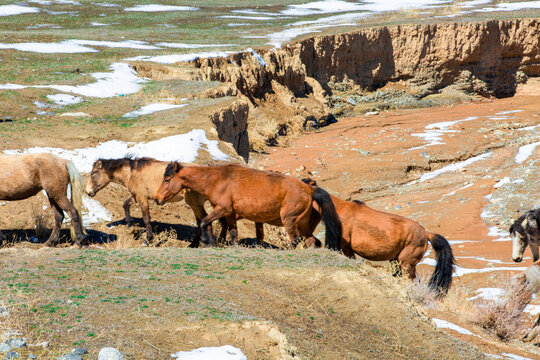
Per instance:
x=373, y=244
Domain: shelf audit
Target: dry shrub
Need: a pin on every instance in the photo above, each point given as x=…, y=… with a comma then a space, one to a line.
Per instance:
x=504, y=318
x=419, y=292
x=125, y=239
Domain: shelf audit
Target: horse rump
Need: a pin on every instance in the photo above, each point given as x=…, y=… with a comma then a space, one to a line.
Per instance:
x=329, y=217
x=441, y=279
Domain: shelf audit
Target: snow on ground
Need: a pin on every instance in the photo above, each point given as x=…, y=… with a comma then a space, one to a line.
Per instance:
x=433, y=132
x=174, y=58
x=443, y=324
x=159, y=7
x=181, y=147
x=460, y=271
x=525, y=151
x=190, y=46
x=515, y=357
x=461, y=188
x=8, y=10
x=454, y=167
x=64, y=99
x=152, y=108
x=226, y=352
x=488, y=294
x=514, y=6
x=74, y=46
x=95, y=212
x=122, y=80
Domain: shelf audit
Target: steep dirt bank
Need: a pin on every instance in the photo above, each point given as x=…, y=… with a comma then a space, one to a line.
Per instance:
x=289, y=88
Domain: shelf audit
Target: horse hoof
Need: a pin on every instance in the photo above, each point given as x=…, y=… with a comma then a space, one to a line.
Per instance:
x=145, y=243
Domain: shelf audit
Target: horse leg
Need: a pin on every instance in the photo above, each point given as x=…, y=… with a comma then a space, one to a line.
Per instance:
x=66, y=205
x=127, y=204
x=196, y=202
x=534, y=250
x=206, y=224
x=58, y=218
x=259, y=233
x=233, y=230
x=224, y=226
x=145, y=209
x=348, y=252
x=409, y=257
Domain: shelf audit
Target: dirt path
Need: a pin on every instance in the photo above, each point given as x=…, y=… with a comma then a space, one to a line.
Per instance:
x=395, y=162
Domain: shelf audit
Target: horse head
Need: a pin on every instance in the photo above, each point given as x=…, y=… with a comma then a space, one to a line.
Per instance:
x=99, y=178
x=171, y=184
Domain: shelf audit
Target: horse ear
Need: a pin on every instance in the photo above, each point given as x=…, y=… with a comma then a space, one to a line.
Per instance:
x=532, y=221
x=99, y=164
x=177, y=166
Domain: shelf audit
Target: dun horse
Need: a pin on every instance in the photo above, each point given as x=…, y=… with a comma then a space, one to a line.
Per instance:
x=22, y=176
x=238, y=192
x=142, y=178
x=526, y=231
x=379, y=236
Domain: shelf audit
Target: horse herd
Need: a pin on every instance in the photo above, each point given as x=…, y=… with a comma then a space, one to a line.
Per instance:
x=237, y=192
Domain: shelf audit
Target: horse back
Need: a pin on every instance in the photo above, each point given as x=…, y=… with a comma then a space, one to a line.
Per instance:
x=145, y=181
x=25, y=175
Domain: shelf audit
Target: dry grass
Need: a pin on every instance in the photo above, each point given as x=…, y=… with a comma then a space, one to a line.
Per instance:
x=421, y=293
x=39, y=219
x=504, y=318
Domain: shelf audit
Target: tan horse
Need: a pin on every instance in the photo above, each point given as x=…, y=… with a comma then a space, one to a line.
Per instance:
x=237, y=192
x=380, y=236
x=142, y=178
x=22, y=176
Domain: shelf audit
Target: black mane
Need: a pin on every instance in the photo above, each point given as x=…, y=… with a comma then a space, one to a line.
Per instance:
x=129, y=160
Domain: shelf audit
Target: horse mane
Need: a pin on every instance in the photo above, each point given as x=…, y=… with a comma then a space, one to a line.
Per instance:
x=128, y=160
x=358, y=202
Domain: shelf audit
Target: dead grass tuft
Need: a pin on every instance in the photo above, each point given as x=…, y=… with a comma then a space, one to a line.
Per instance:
x=504, y=318
x=419, y=292
x=39, y=220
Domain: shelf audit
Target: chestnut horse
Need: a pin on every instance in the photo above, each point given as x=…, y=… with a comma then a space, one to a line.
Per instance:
x=22, y=176
x=142, y=178
x=380, y=236
x=238, y=192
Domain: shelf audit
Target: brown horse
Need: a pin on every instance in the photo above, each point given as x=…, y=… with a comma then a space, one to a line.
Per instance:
x=142, y=178
x=380, y=236
x=22, y=176
x=238, y=192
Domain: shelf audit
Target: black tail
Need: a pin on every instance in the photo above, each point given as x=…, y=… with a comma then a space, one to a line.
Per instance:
x=442, y=276
x=329, y=217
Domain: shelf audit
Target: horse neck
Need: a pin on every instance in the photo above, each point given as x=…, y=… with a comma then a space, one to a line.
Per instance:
x=121, y=175
x=200, y=179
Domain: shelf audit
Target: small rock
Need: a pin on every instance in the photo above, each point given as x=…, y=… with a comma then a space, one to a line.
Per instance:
x=109, y=353
x=70, y=357
x=5, y=347
x=301, y=168
x=43, y=344
x=12, y=355
x=79, y=351
x=31, y=356
x=370, y=113
x=16, y=343
x=397, y=207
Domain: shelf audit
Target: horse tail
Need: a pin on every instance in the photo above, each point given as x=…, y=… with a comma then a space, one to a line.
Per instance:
x=442, y=276
x=329, y=217
x=76, y=194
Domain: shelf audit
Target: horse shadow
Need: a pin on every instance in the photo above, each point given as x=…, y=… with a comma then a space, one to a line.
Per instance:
x=10, y=237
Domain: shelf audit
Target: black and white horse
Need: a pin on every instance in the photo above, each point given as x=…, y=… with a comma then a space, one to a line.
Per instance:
x=526, y=231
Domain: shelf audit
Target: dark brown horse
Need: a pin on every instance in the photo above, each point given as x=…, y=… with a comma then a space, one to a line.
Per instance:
x=379, y=236
x=142, y=178
x=22, y=176
x=238, y=192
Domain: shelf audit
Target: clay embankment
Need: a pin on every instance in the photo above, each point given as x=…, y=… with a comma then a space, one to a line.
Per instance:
x=288, y=88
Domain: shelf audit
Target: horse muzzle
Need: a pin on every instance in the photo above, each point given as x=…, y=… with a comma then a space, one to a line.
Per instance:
x=91, y=193
x=160, y=202
x=519, y=259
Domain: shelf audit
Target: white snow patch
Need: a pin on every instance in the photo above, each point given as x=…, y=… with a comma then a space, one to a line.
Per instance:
x=246, y=17
x=455, y=242
x=191, y=46
x=64, y=99
x=525, y=151
x=257, y=56
x=322, y=7
x=461, y=188
x=182, y=147
x=508, y=112
x=500, y=183
x=443, y=324
x=122, y=80
x=171, y=59
x=226, y=352
x=515, y=357
x=473, y=3
x=160, y=7
x=434, y=132
x=532, y=309
x=515, y=6
x=107, y=4
x=74, y=46
x=152, y=108
x=95, y=212
x=488, y=294
x=454, y=167
x=8, y=10
x=255, y=12
x=99, y=24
